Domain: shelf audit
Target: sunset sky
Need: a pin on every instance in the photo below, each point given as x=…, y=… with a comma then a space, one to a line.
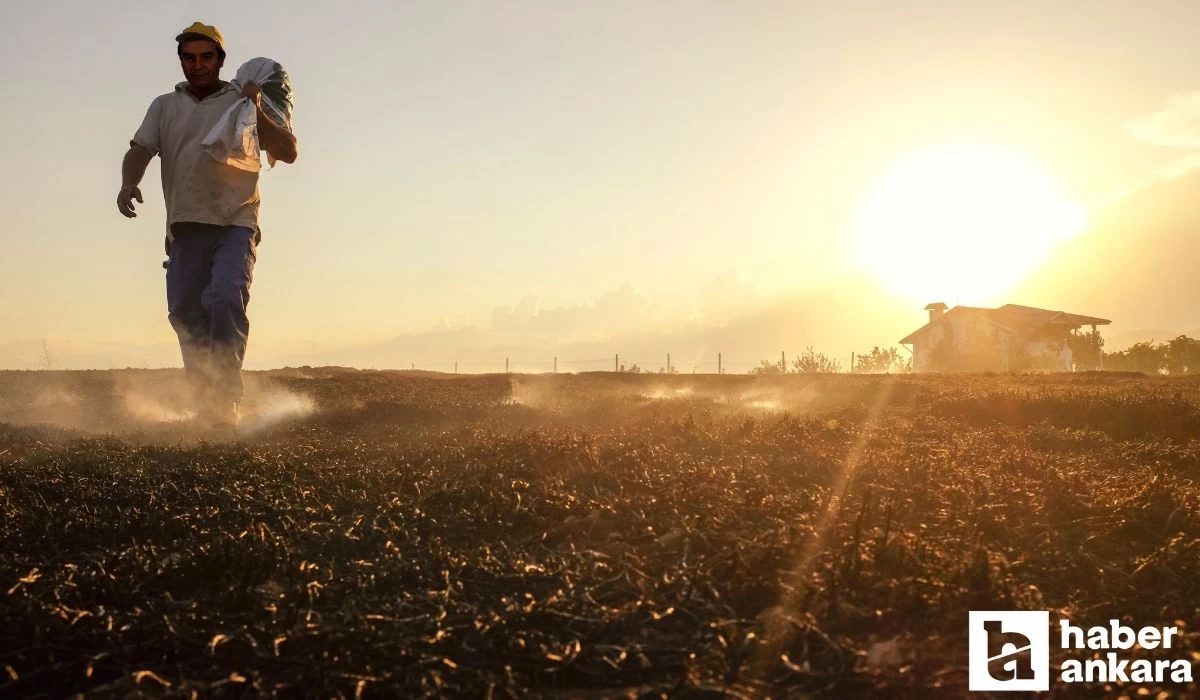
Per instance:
x=536, y=178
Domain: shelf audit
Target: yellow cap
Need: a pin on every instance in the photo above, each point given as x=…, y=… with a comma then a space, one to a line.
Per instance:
x=202, y=31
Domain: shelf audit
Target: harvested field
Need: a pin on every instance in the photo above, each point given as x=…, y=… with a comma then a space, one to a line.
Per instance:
x=379, y=534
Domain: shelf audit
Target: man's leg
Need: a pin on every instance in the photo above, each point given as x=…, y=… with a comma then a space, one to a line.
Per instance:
x=188, y=273
x=225, y=299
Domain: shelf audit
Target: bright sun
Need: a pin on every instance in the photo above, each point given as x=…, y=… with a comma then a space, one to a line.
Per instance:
x=962, y=224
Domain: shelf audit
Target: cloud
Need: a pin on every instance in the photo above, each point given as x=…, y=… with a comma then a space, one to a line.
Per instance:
x=611, y=313
x=1176, y=125
x=1135, y=264
x=725, y=314
x=1179, y=168
x=725, y=296
x=69, y=354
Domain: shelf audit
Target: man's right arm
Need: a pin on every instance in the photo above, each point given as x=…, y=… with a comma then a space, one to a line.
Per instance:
x=133, y=167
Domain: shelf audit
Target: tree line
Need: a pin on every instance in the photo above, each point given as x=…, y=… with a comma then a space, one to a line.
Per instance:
x=877, y=361
x=1180, y=355
x=1176, y=357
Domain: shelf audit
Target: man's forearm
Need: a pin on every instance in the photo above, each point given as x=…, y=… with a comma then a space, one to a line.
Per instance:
x=133, y=167
x=278, y=141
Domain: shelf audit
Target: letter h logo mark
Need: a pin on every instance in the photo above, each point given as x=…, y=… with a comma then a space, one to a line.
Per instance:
x=1009, y=650
x=1010, y=654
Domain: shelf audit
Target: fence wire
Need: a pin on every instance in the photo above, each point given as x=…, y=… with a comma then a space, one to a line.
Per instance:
x=616, y=363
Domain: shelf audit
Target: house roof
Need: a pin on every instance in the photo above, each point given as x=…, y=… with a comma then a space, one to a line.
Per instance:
x=1015, y=319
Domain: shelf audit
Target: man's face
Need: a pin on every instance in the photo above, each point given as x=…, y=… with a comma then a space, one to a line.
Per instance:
x=201, y=65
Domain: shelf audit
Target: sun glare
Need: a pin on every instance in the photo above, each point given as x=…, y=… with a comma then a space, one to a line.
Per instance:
x=962, y=224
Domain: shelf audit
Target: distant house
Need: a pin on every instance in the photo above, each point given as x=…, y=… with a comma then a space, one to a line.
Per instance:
x=978, y=339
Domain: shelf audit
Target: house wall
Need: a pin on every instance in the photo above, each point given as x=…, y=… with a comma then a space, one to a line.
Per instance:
x=923, y=346
x=1063, y=358
x=989, y=346
x=964, y=327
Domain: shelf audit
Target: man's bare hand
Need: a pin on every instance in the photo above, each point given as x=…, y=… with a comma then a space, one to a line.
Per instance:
x=125, y=200
x=254, y=92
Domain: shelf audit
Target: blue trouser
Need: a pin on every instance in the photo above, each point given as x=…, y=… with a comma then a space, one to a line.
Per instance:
x=208, y=290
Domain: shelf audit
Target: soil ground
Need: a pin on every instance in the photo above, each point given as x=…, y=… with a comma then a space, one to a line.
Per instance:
x=378, y=534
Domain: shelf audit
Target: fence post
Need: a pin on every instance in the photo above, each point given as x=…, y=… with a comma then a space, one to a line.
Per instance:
x=506, y=365
x=719, y=364
x=668, y=363
x=783, y=361
x=456, y=366
x=851, y=363
x=615, y=359
x=556, y=365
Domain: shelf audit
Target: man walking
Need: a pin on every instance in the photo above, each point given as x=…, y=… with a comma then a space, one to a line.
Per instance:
x=212, y=218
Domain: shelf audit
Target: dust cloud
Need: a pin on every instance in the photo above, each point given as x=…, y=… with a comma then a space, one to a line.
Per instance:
x=727, y=393
x=272, y=407
x=126, y=402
